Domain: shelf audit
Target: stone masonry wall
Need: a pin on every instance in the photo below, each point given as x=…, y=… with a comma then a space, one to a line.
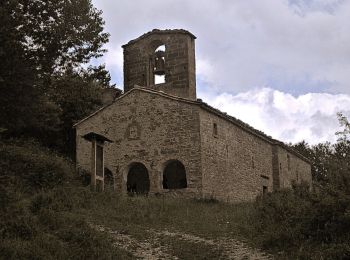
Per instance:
x=235, y=164
x=166, y=129
x=179, y=62
x=292, y=169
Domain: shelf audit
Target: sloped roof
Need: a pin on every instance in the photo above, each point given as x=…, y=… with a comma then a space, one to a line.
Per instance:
x=94, y=136
x=207, y=108
x=138, y=88
x=252, y=130
x=157, y=31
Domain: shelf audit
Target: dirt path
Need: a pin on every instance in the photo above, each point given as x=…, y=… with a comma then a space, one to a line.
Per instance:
x=233, y=249
x=152, y=248
x=148, y=249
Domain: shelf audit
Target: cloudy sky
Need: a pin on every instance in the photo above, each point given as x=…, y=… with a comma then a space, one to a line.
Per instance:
x=281, y=66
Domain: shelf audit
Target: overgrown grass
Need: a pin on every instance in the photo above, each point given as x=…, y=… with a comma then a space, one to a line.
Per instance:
x=291, y=223
x=39, y=191
x=188, y=215
x=304, y=224
x=45, y=211
x=190, y=250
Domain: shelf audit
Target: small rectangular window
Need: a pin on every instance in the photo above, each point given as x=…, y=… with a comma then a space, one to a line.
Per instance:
x=215, y=129
x=288, y=162
x=265, y=190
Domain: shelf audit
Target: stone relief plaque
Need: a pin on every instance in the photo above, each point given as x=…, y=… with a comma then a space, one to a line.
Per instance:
x=133, y=131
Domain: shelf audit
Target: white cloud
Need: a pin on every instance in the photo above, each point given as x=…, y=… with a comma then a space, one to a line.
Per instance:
x=295, y=46
x=311, y=117
x=114, y=63
x=300, y=47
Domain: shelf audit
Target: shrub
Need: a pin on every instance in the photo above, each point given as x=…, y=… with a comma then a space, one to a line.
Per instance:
x=85, y=176
x=33, y=167
x=297, y=220
x=39, y=200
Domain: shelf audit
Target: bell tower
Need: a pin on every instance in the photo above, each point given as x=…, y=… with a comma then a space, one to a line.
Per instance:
x=162, y=60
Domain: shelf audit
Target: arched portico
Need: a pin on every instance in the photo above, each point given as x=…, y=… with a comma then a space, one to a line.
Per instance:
x=174, y=175
x=138, y=178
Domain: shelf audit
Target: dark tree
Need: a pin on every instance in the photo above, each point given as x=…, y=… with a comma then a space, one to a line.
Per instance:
x=60, y=34
x=77, y=95
x=23, y=106
x=42, y=46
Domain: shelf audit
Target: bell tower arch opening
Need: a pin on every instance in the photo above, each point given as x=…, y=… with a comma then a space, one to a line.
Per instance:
x=159, y=65
x=162, y=60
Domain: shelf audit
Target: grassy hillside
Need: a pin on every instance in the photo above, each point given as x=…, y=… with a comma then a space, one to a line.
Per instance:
x=47, y=213
x=39, y=193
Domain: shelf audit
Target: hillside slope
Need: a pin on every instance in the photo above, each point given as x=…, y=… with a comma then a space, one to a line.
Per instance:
x=48, y=213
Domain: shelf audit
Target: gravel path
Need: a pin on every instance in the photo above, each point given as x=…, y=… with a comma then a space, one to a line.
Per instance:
x=233, y=248
x=148, y=249
x=151, y=248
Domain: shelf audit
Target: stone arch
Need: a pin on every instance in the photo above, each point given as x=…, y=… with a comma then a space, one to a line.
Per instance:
x=138, y=178
x=155, y=45
x=157, y=62
x=174, y=175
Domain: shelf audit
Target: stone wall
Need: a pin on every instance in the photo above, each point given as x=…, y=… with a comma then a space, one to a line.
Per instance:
x=109, y=95
x=179, y=62
x=235, y=164
x=238, y=165
x=163, y=129
x=291, y=168
x=223, y=157
x=227, y=161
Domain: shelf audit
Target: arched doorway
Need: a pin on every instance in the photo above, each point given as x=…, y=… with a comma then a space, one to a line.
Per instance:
x=138, y=179
x=174, y=175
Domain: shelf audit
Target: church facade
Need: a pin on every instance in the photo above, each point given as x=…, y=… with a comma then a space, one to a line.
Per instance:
x=166, y=141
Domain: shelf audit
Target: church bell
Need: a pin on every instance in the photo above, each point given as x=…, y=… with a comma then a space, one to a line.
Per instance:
x=159, y=63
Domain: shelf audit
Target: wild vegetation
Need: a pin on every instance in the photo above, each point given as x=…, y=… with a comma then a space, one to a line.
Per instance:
x=48, y=212
x=45, y=83
x=39, y=191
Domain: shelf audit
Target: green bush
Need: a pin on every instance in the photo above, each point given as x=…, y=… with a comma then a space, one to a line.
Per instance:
x=27, y=164
x=305, y=224
x=85, y=176
x=39, y=200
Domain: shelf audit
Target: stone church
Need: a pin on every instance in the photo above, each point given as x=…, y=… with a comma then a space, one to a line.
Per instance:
x=156, y=137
